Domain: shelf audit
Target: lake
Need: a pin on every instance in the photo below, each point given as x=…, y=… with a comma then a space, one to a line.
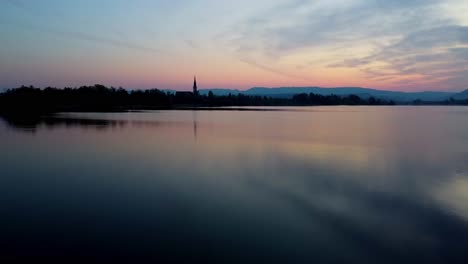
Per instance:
x=262, y=185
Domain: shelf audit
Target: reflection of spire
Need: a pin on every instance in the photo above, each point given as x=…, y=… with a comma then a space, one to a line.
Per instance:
x=194, y=125
x=195, y=88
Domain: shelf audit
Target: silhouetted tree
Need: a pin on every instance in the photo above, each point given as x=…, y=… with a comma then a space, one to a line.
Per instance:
x=100, y=98
x=372, y=101
x=210, y=98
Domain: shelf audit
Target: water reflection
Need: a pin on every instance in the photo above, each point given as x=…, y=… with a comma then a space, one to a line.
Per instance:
x=195, y=125
x=328, y=185
x=32, y=123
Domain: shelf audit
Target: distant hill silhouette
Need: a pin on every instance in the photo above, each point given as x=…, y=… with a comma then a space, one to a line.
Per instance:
x=461, y=96
x=289, y=92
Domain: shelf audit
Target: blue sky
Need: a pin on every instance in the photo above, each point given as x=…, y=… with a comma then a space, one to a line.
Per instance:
x=403, y=45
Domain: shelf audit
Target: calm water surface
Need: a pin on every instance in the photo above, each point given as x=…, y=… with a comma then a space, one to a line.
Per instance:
x=299, y=185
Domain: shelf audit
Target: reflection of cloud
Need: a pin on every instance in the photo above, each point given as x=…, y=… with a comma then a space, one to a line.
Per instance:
x=454, y=194
x=359, y=210
x=354, y=157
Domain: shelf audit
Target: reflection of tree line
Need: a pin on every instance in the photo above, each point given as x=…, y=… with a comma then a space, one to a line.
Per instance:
x=31, y=122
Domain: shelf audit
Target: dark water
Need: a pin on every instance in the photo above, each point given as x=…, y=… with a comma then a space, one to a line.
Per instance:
x=302, y=185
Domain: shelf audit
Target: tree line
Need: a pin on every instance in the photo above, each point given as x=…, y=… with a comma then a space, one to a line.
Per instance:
x=102, y=98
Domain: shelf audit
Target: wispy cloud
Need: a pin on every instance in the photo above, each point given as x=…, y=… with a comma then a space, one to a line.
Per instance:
x=437, y=54
x=306, y=24
x=271, y=69
x=84, y=36
x=19, y=4
x=67, y=33
x=192, y=44
x=403, y=38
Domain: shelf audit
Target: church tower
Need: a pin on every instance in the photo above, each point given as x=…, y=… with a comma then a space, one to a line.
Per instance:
x=195, y=89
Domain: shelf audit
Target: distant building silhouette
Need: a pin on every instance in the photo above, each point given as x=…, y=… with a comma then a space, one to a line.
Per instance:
x=186, y=96
x=195, y=88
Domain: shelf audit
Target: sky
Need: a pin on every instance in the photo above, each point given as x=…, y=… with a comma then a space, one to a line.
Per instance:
x=405, y=45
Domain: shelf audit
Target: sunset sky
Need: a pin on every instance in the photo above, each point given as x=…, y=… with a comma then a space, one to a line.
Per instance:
x=408, y=45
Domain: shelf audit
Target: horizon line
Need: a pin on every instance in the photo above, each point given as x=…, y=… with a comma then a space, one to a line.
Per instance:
x=240, y=90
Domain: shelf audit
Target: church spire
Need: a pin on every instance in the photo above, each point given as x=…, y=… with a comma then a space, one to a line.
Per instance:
x=195, y=88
